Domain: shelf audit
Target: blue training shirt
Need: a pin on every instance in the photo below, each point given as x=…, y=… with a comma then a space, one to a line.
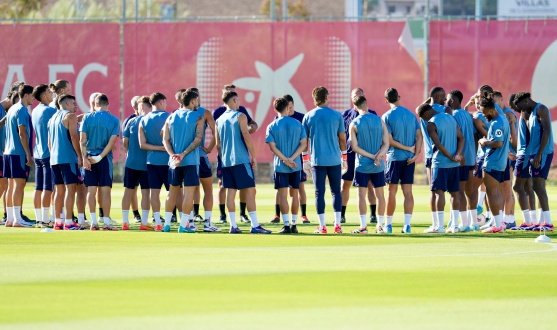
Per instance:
x=99, y=126
x=17, y=116
x=446, y=128
x=323, y=125
x=182, y=126
x=136, y=158
x=233, y=150
x=480, y=153
x=370, y=138
x=523, y=146
x=2, y=131
x=402, y=125
x=428, y=144
x=536, y=132
x=348, y=116
x=286, y=133
x=152, y=125
x=466, y=124
x=62, y=151
x=497, y=158
x=39, y=118
x=512, y=113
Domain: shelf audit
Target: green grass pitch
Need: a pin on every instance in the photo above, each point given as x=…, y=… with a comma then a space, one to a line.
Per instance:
x=137, y=280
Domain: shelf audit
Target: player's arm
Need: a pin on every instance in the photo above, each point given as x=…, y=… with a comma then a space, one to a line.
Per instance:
x=25, y=143
x=143, y=142
x=211, y=123
x=460, y=144
x=83, y=145
x=432, y=131
x=386, y=139
x=543, y=113
x=479, y=125
x=512, y=122
x=493, y=143
x=217, y=142
x=301, y=147
x=74, y=136
x=166, y=140
x=247, y=138
x=395, y=144
x=199, y=131
x=279, y=154
x=355, y=145
x=252, y=126
x=109, y=146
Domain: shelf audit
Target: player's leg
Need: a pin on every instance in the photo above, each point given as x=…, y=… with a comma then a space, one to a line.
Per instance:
x=131, y=181
x=509, y=201
x=176, y=177
x=295, y=205
x=492, y=181
x=539, y=178
x=453, y=187
x=347, y=179
x=276, y=217
x=372, y=198
x=319, y=174
x=334, y=174
x=207, y=184
x=303, y=197
x=39, y=182
x=282, y=196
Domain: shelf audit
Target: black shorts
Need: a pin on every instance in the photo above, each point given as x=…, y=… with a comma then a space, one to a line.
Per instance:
x=134, y=178
x=158, y=176
x=351, y=162
x=287, y=180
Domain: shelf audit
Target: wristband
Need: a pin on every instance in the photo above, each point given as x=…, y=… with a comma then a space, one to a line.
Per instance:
x=344, y=155
x=305, y=157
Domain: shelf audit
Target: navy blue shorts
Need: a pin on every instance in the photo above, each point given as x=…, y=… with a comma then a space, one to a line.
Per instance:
x=219, y=168
x=2, y=167
x=507, y=172
x=65, y=174
x=43, y=174
x=15, y=167
x=522, y=167
x=157, y=176
x=303, y=176
x=513, y=163
x=399, y=171
x=205, y=170
x=464, y=172
x=543, y=171
x=497, y=175
x=445, y=179
x=363, y=179
x=478, y=169
x=134, y=178
x=428, y=163
x=351, y=162
x=238, y=177
x=286, y=180
x=187, y=176
x=100, y=174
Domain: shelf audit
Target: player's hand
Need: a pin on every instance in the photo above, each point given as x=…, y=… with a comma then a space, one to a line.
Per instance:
x=207, y=150
x=512, y=156
x=412, y=149
x=537, y=161
x=457, y=158
x=344, y=166
x=252, y=161
x=79, y=162
x=411, y=160
x=307, y=167
x=86, y=163
x=251, y=129
x=30, y=160
x=289, y=163
x=482, y=141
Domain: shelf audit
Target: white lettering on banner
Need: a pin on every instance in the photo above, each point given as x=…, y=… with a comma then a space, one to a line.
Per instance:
x=54, y=69
x=15, y=73
x=83, y=73
x=525, y=8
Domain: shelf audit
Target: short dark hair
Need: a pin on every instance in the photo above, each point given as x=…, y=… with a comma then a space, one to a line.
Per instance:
x=511, y=102
x=193, y=89
x=487, y=101
x=39, y=90
x=435, y=90
x=178, y=95
x=423, y=108
x=319, y=95
x=359, y=100
x=24, y=90
x=62, y=99
x=102, y=100
x=156, y=97
x=229, y=86
x=188, y=96
x=145, y=100
x=458, y=94
x=280, y=104
x=391, y=94
x=227, y=95
x=521, y=96
x=497, y=94
x=58, y=85
x=288, y=98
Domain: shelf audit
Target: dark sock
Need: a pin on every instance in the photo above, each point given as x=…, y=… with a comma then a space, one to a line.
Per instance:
x=303, y=206
x=373, y=208
x=277, y=210
x=242, y=208
x=174, y=212
x=222, y=208
x=343, y=212
x=136, y=214
x=195, y=209
x=101, y=213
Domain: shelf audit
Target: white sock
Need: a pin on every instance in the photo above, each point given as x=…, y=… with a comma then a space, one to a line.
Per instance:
x=540, y=213
x=294, y=218
x=509, y=218
x=434, y=219
x=253, y=218
x=526, y=216
x=208, y=215
x=464, y=219
x=455, y=215
x=338, y=217
x=93, y=218
x=533, y=218
x=547, y=217
x=473, y=216
x=407, y=219
x=51, y=218
x=80, y=218
x=144, y=216
x=363, y=221
x=184, y=220
x=389, y=220
x=106, y=221
x=59, y=221
x=157, y=216
x=126, y=216
x=168, y=218
x=17, y=213
x=321, y=220
x=68, y=221
x=497, y=220
x=38, y=215
x=285, y=219
x=440, y=219
x=45, y=214
x=489, y=214
x=481, y=198
x=380, y=220
x=232, y=216
x=10, y=214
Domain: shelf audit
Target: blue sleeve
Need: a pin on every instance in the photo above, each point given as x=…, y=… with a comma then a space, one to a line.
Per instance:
x=303, y=134
x=116, y=128
x=495, y=133
x=305, y=125
x=340, y=125
x=269, y=134
x=23, y=118
x=83, y=126
x=126, y=133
